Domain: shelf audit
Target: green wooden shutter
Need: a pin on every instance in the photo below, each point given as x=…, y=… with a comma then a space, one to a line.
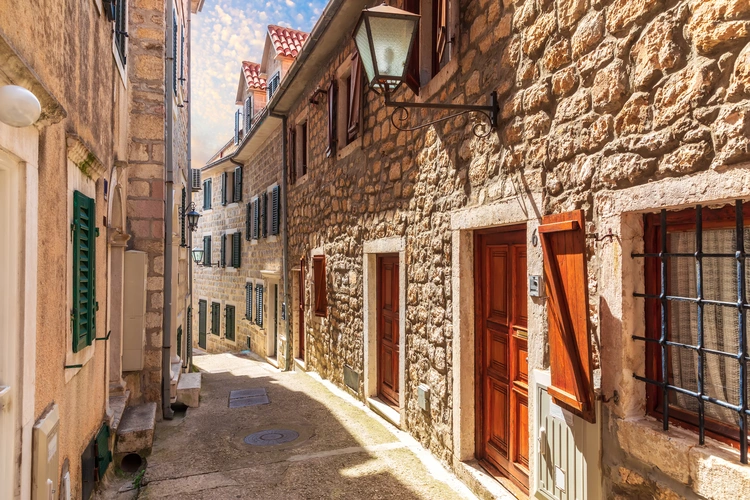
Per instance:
x=174, y=52
x=182, y=218
x=224, y=188
x=259, y=305
x=248, y=222
x=84, y=271
x=206, y=250
x=256, y=219
x=202, y=319
x=189, y=343
x=237, y=194
x=103, y=453
x=230, y=322
x=249, y=301
x=215, y=319
x=236, y=249
x=264, y=215
x=223, y=256
x=275, y=210
x=207, y=194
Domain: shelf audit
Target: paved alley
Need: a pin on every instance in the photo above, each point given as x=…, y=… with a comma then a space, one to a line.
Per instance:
x=342, y=450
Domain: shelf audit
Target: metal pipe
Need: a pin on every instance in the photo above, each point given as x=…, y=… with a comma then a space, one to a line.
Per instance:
x=188, y=46
x=166, y=374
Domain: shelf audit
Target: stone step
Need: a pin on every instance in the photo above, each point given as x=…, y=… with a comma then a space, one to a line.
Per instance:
x=175, y=372
x=189, y=390
x=117, y=404
x=135, y=433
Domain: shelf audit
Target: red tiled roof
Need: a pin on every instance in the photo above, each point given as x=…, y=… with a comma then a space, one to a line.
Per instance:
x=252, y=75
x=286, y=41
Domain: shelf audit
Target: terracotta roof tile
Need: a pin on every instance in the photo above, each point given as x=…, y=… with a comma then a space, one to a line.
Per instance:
x=252, y=75
x=286, y=41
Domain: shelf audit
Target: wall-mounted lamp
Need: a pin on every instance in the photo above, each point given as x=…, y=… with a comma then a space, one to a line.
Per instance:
x=191, y=216
x=385, y=37
x=314, y=97
x=18, y=106
x=197, y=255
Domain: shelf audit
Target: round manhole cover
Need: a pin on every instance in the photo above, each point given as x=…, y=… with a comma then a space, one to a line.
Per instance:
x=271, y=437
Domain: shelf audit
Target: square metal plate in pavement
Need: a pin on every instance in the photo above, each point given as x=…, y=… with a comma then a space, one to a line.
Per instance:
x=249, y=401
x=245, y=393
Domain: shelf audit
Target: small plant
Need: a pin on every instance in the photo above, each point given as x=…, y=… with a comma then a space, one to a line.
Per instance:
x=138, y=480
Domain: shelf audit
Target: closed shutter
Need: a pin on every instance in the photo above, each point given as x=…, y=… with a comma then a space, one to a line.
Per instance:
x=331, y=93
x=189, y=343
x=207, y=194
x=179, y=341
x=355, y=98
x=183, y=241
x=224, y=193
x=248, y=113
x=202, y=317
x=215, y=319
x=275, y=210
x=249, y=301
x=292, y=156
x=174, y=52
x=229, y=322
x=84, y=271
x=319, y=281
x=259, y=305
x=237, y=127
x=264, y=215
x=412, y=79
x=236, y=250
x=256, y=218
x=223, y=255
x=182, y=55
x=206, y=250
x=103, y=453
x=237, y=194
x=563, y=243
x=248, y=221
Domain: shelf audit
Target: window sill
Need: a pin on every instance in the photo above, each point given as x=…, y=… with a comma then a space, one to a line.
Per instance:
x=428, y=90
x=78, y=358
x=233, y=204
x=347, y=150
x=207, y=211
x=273, y=238
x=303, y=179
x=231, y=269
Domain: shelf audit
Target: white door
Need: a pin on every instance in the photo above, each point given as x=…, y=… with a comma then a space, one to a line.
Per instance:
x=10, y=305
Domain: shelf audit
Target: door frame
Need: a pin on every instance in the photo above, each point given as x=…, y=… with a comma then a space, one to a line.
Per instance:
x=370, y=252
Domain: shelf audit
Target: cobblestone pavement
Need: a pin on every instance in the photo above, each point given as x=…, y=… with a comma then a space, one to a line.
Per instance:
x=342, y=450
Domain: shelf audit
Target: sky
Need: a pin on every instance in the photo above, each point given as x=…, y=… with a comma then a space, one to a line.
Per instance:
x=225, y=33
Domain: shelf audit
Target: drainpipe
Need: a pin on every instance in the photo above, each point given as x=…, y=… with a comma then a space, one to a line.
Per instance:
x=190, y=185
x=285, y=245
x=166, y=372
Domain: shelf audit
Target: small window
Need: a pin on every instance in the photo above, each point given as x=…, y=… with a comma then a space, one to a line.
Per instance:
x=259, y=305
x=273, y=84
x=215, y=318
x=207, y=194
x=229, y=322
x=319, y=282
x=434, y=42
x=84, y=271
x=350, y=85
x=121, y=29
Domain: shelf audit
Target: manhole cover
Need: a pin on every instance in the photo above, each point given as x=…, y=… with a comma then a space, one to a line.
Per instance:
x=271, y=437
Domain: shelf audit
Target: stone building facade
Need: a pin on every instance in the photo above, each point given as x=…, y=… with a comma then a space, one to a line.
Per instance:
x=620, y=109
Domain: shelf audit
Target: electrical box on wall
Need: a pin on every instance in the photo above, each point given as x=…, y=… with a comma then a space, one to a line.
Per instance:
x=45, y=461
x=423, y=397
x=535, y=286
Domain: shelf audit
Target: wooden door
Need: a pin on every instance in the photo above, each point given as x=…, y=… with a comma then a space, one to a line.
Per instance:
x=302, y=309
x=202, y=323
x=502, y=365
x=388, y=334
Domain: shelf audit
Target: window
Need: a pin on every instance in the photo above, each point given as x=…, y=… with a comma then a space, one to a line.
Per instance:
x=229, y=322
x=292, y=158
x=237, y=185
x=434, y=38
x=256, y=218
x=319, y=282
x=349, y=99
x=231, y=186
x=331, y=100
x=223, y=251
x=215, y=318
x=300, y=138
x=259, y=304
x=207, y=194
x=121, y=28
x=183, y=240
x=248, y=113
x=174, y=51
x=273, y=84
x=275, y=209
x=206, y=250
x=236, y=250
x=84, y=271
x=697, y=351
x=249, y=301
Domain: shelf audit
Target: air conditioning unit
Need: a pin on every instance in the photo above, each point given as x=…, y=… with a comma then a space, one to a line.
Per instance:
x=195, y=179
x=568, y=450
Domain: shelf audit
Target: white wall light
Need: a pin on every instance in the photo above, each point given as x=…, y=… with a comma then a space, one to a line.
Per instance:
x=18, y=106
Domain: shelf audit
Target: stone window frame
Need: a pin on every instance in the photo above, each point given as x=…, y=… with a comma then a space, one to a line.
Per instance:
x=310, y=283
x=302, y=121
x=343, y=73
x=639, y=435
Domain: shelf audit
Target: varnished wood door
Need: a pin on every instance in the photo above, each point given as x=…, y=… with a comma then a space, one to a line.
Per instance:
x=302, y=309
x=388, y=334
x=502, y=365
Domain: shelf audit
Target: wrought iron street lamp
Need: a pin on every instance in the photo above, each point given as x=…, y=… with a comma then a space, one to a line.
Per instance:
x=191, y=216
x=385, y=38
x=197, y=255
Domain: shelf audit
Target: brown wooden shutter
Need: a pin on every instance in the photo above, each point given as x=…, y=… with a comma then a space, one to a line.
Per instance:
x=319, y=280
x=355, y=97
x=331, y=93
x=291, y=160
x=412, y=71
x=440, y=34
x=566, y=283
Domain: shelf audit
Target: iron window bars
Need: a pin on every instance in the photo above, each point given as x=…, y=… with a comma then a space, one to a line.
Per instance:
x=700, y=301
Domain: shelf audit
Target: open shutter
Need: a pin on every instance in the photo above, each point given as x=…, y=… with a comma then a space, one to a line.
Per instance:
x=223, y=256
x=183, y=241
x=248, y=113
x=182, y=55
x=440, y=34
x=237, y=194
x=248, y=221
x=566, y=283
x=275, y=210
x=355, y=98
x=103, y=453
x=236, y=127
x=256, y=218
x=259, y=305
x=249, y=301
x=264, y=215
x=229, y=334
x=84, y=270
x=319, y=281
x=412, y=71
x=206, y=250
x=291, y=160
x=224, y=177
x=236, y=250
x=174, y=52
x=331, y=93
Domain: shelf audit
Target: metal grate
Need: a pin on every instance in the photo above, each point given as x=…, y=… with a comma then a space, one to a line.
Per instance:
x=700, y=301
x=271, y=437
x=248, y=397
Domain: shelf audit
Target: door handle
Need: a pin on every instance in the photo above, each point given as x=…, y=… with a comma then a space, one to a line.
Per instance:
x=4, y=396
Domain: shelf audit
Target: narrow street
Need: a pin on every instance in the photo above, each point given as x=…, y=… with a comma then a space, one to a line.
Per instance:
x=342, y=451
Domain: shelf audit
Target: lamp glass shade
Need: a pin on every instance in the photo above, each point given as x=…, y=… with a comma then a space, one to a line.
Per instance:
x=197, y=255
x=384, y=38
x=192, y=219
x=18, y=106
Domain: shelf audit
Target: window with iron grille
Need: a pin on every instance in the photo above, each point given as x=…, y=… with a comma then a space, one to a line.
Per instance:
x=259, y=305
x=121, y=28
x=696, y=320
x=249, y=301
x=273, y=84
x=229, y=322
x=215, y=318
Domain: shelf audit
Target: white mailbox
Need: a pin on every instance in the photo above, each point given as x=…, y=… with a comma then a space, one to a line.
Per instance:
x=45, y=456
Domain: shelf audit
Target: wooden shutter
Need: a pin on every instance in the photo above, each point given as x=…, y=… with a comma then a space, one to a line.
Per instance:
x=355, y=98
x=215, y=319
x=206, y=250
x=248, y=222
x=202, y=319
x=183, y=241
x=291, y=160
x=174, y=52
x=248, y=113
x=229, y=318
x=179, y=341
x=256, y=218
x=319, y=281
x=182, y=55
x=412, y=71
x=224, y=178
x=223, y=256
x=259, y=305
x=249, y=301
x=331, y=93
x=103, y=453
x=84, y=270
x=237, y=194
x=236, y=127
x=236, y=250
x=439, y=34
x=303, y=145
x=264, y=215
x=207, y=194
x=275, y=210
x=566, y=284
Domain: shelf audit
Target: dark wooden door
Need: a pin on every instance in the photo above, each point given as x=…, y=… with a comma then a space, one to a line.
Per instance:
x=502, y=364
x=388, y=334
x=202, y=323
x=302, y=309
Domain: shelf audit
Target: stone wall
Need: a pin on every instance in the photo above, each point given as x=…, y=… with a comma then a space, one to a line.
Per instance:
x=599, y=98
x=227, y=285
